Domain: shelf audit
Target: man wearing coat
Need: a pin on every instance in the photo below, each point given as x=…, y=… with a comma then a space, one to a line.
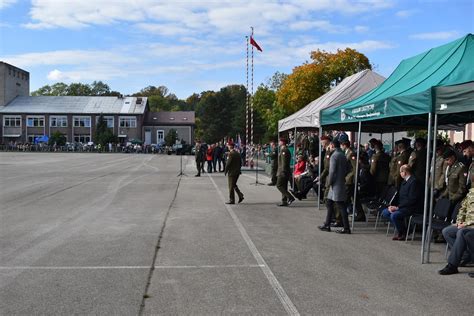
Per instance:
x=232, y=169
x=337, y=194
x=273, y=155
x=410, y=200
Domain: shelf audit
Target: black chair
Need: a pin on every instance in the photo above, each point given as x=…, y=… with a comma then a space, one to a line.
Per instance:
x=387, y=200
x=440, y=214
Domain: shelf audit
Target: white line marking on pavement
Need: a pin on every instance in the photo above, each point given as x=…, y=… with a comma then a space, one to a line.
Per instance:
x=132, y=267
x=284, y=299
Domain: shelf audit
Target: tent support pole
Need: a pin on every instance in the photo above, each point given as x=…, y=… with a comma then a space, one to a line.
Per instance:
x=425, y=208
x=393, y=142
x=320, y=160
x=294, y=161
x=356, y=175
x=432, y=168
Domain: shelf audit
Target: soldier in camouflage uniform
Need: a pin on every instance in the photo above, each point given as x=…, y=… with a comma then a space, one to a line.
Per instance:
x=455, y=174
x=379, y=168
x=283, y=174
x=460, y=236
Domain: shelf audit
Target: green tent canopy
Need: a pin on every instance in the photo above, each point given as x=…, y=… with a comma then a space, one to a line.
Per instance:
x=440, y=79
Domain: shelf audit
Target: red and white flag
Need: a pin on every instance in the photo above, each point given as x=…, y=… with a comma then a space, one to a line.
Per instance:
x=254, y=44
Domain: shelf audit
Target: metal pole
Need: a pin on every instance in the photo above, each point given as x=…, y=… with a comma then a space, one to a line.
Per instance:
x=294, y=160
x=433, y=175
x=319, y=166
x=425, y=208
x=356, y=176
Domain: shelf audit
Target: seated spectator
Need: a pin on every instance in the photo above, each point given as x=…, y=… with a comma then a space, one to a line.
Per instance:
x=307, y=180
x=300, y=168
x=460, y=236
x=409, y=201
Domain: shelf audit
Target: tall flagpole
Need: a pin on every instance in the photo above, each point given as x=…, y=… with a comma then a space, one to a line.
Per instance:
x=251, y=101
x=247, y=105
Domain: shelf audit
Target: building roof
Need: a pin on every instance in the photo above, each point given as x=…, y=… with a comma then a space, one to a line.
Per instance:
x=170, y=118
x=76, y=105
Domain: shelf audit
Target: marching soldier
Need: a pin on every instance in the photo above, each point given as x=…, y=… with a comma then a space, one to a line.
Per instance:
x=379, y=168
x=417, y=160
x=283, y=174
x=232, y=168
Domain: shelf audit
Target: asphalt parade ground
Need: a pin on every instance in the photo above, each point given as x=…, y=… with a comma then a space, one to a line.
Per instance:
x=117, y=234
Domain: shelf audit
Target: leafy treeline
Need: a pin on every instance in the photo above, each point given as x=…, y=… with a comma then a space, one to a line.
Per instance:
x=222, y=113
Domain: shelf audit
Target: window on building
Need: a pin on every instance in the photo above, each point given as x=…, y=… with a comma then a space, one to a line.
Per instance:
x=108, y=119
x=128, y=122
x=35, y=121
x=12, y=121
x=160, y=136
x=82, y=138
x=82, y=121
x=58, y=121
x=31, y=137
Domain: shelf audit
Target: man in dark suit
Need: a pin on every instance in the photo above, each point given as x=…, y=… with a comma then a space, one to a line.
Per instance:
x=410, y=199
x=284, y=173
x=337, y=195
x=232, y=169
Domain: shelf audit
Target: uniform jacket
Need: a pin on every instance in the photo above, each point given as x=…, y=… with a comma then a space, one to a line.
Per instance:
x=274, y=158
x=455, y=188
x=393, y=170
x=417, y=162
x=466, y=212
x=402, y=159
x=284, y=158
x=439, y=175
x=336, y=177
x=366, y=182
x=326, y=163
x=379, y=167
x=410, y=195
x=351, y=161
x=232, y=167
x=199, y=153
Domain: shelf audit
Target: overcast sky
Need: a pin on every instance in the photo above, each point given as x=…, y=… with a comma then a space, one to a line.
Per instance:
x=192, y=46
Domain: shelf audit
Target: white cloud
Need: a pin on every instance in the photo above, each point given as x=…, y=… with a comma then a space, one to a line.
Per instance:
x=405, y=13
x=322, y=25
x=6, y=3
x=176, y=17
x=55, y=75
x=361, y=29
x=435, y=35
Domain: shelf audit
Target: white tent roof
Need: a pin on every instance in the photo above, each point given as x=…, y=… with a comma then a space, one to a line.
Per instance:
x=349, y=89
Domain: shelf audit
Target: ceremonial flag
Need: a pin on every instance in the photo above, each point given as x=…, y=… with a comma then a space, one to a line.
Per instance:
x=254, y=44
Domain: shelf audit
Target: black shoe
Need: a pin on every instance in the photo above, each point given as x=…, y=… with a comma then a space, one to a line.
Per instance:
x=198, y=175
x=344, y=231
x=337, y=225
x=448, y=270
x=290, y=201
x=271, y=184
x=471, y=274
x=230, y=202
x=295, y=195
x=283, y=204
x=324, y=228
x=241, y=198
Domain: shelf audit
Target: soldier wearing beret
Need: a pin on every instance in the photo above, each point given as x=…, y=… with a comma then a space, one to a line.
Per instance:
x=455, y=174
x=284, y=173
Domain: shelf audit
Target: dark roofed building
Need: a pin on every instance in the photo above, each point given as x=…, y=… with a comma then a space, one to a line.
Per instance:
x=158, y=124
